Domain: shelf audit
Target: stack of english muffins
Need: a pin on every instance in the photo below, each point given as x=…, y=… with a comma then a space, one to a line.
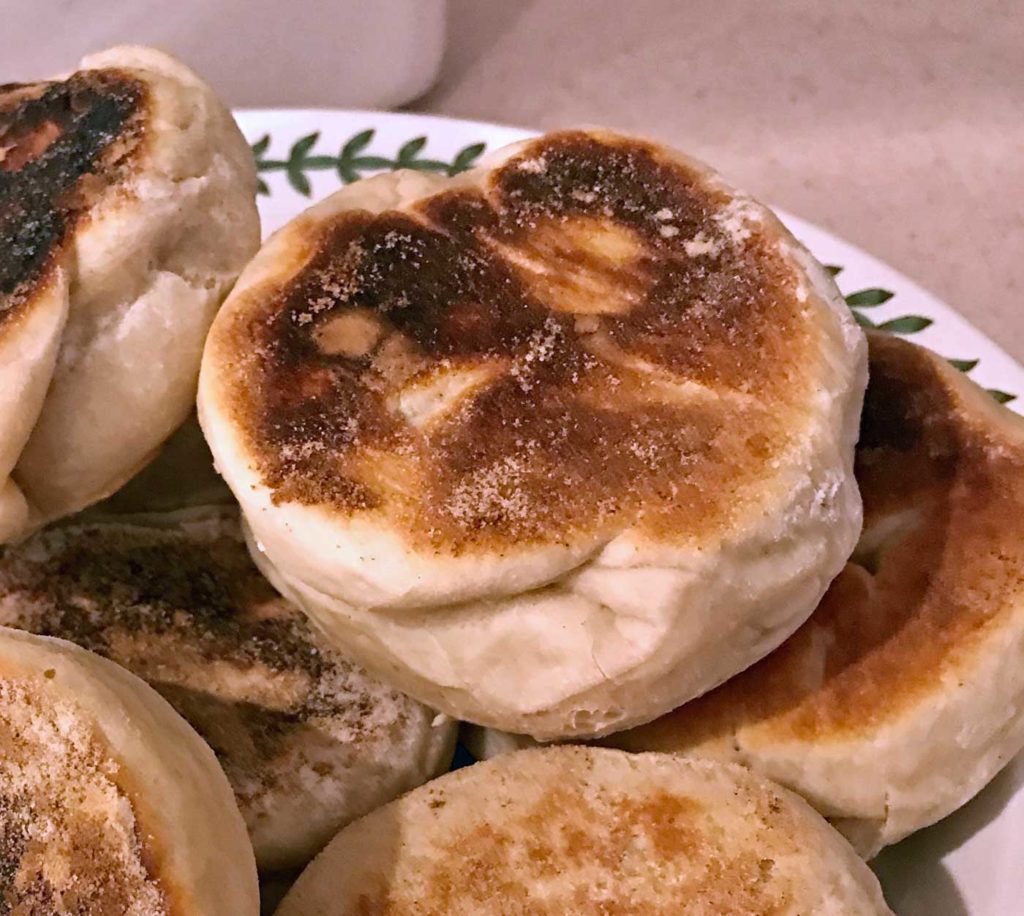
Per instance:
x=580, y=448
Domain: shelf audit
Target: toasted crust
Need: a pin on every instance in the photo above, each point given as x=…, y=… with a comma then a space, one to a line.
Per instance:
x=586, y=382
x=308, y=740
x=62, y=145
x=600, y=357
x=903, y=694
x=589, y=831
x=126, y=211
x=109, y=801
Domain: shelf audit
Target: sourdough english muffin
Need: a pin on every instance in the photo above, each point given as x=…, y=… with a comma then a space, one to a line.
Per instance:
x=127, y=209
x=308, y=740
x=553, y=446
x=579, y=830
x=109, y=801
x=903, y=695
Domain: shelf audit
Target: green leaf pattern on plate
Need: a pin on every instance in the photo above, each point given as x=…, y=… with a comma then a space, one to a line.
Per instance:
x=866, y=298
x=353, y=160
x=902, y=325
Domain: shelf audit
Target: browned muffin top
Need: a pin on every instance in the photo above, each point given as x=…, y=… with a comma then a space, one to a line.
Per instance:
x=599, y=337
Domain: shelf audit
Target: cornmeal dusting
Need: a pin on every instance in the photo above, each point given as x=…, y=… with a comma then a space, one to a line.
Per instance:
x=69, y=838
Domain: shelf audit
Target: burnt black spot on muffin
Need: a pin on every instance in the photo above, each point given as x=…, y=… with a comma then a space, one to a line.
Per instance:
x=62, y=144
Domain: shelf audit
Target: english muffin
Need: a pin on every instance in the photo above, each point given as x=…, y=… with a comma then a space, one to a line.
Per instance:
x=109, y=801
x=127, y=209
x=553, y=446
x=307, y=739
x=903, y=695
x=579, y=830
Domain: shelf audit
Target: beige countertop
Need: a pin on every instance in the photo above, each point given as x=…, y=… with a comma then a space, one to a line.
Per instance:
x=898, y=126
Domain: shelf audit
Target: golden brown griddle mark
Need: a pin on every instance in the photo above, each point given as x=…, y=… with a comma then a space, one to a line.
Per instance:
x=65, y=792
x=905, y=615
x=61, y=145
x=663, y=850
x=571, y=277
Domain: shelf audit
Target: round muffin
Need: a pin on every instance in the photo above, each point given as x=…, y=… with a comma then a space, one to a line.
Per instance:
x=127, y=210
x=308, y=740
x=109, y=801
x=903, y=694
x=583, y=830
x=554, y=446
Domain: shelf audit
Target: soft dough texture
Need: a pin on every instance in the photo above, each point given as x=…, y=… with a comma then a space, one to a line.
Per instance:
x=554, y=446
x=109, y=802
x=308, y=740
x=578, y=830
x=127, y=209
x=903, y=695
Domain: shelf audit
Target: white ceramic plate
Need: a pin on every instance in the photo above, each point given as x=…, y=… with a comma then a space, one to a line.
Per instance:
x=972, y=862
